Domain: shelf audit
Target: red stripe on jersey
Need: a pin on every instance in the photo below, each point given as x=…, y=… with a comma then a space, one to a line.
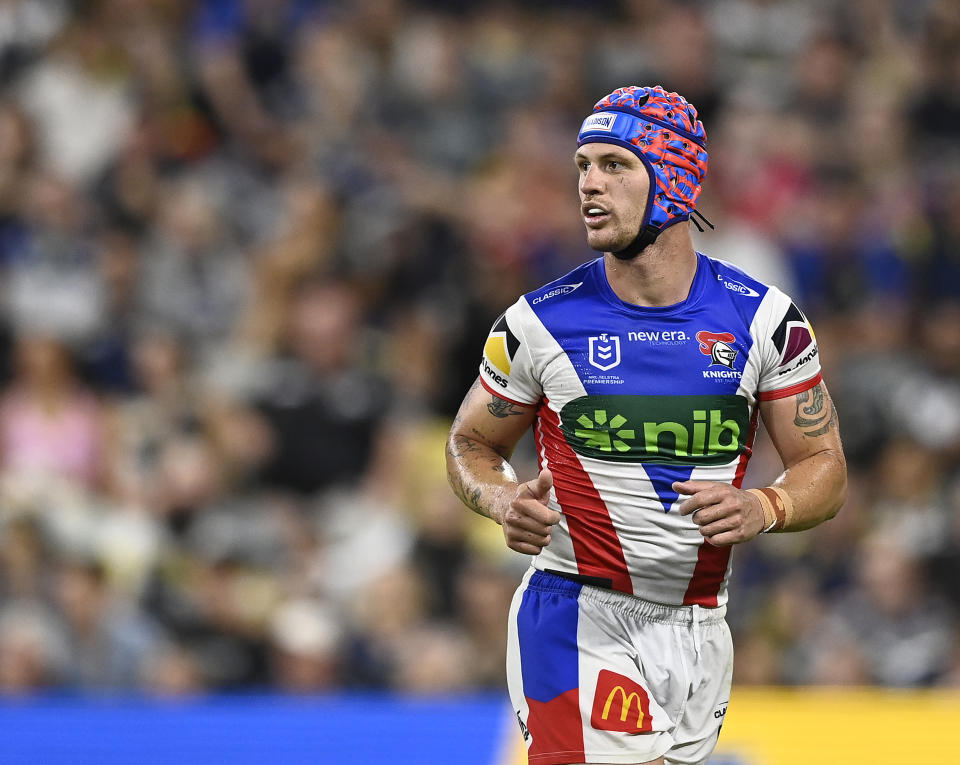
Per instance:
x=595, y=541
x=711, y=568
x=748, y=450
x=773, y=395
x=498, y=394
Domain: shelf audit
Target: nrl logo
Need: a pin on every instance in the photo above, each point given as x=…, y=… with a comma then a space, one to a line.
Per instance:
x=717, y=346
x=605, y=351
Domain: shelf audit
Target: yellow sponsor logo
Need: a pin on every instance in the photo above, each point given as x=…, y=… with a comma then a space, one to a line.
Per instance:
x=496, y=351
x=626, y=702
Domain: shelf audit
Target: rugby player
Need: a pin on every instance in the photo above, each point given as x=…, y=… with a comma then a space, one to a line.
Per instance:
x=643, y=374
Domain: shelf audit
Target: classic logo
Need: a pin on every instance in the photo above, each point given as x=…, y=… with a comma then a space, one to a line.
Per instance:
x=563, y=289
x=620, y=704
x=499, y=351
x=602, y=121
x=735, y=286
x=683, y=430
x=717, y=346
x=605, y=351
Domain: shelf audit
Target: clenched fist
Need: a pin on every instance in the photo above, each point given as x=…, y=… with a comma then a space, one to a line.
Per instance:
x=725, y=514
x=528, y=520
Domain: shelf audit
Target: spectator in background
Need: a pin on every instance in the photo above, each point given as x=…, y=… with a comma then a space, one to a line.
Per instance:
x=51, y=426
x=238, y=296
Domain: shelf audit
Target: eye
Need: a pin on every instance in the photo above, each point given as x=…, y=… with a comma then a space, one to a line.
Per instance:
x=614, y=164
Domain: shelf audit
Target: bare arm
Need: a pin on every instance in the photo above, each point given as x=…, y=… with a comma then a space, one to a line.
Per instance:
x=811, y=489
x=483, y=436
x=806, y=434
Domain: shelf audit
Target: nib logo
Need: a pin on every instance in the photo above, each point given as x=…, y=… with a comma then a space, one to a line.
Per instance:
x=603, y=435
x=605, y=351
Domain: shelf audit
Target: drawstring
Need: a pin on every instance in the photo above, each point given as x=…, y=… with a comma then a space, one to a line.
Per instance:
x=701, y=217
x=697, y=618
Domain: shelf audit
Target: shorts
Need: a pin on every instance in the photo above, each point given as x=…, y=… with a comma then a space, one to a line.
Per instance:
x=599, y=676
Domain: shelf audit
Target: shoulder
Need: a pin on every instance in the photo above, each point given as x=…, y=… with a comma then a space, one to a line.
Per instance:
x=580, y=280
x=735, y=281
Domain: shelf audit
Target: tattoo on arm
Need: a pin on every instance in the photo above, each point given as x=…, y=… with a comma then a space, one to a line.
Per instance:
x=816, y=417
x=500, y=408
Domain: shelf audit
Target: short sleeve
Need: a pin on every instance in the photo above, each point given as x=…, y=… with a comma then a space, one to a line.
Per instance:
x=790, y=362
x=506, y=369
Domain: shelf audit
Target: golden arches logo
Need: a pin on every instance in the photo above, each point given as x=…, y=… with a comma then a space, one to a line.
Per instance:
x=613, y=704
x=626, y=702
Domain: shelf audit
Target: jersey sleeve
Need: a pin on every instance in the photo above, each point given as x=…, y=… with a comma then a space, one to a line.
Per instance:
x=790, y=361
x=506, y=369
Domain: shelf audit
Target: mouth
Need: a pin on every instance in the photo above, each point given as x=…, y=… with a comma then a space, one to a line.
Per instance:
x=594, y=216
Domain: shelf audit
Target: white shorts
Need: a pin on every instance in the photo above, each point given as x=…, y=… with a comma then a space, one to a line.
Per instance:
x=599, y=676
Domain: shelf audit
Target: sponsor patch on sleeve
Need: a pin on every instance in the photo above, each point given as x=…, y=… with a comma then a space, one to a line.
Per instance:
x=794, y=340
x=499, y=351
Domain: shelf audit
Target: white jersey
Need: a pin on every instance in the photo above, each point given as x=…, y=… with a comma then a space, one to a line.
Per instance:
x=630, y=399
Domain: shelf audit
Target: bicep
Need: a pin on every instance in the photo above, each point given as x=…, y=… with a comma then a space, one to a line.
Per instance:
x=802, y=425
x=491, y=420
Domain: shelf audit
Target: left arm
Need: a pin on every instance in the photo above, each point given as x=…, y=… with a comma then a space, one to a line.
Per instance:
x=811, y=489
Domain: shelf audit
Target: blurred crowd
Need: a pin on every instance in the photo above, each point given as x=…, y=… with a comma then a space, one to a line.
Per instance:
x=249, y=253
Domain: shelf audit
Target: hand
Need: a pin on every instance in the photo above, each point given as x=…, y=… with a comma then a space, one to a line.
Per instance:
x=725, y=514
x=528, y=520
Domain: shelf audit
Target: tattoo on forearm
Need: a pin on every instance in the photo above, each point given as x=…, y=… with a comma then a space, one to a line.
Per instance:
x=500, y=408
x=816, y=417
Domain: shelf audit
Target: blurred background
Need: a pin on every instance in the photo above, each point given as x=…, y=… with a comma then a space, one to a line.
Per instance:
x=249, y=254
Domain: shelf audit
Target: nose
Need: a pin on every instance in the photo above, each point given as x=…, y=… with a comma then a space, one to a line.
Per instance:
x=590, y=181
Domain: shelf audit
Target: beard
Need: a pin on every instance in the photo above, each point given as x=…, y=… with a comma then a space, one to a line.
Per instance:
x=610, y=238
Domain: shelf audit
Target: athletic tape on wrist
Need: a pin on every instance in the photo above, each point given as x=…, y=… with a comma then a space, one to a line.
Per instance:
x=777, y=507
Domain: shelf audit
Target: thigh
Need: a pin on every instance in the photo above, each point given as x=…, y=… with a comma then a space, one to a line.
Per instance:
x=711, y=673
x=575, y=681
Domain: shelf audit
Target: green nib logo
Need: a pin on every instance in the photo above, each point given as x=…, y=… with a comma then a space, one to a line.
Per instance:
x=605, y=436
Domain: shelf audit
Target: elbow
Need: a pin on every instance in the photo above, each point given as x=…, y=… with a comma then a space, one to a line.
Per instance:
x=839, y=495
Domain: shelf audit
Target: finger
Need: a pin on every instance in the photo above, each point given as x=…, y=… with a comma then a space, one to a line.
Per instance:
x=703, y=498
x=718, y=526
x=539, y=488
x=726, y=539
x=525, y=548
x=692, y=487
x=544, y=483
x=535, y=509
x=540, y=539
x=526, y=523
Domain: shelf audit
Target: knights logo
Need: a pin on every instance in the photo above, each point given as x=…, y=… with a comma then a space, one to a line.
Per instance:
x=717, y=345
x=605, y=351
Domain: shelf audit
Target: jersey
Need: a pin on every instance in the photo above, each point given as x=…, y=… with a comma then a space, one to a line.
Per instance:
x=630, y=399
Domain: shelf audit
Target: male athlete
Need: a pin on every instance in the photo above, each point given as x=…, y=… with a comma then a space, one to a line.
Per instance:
x=643, y=373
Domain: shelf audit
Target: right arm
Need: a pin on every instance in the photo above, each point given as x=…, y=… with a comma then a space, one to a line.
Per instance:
x=482, y=439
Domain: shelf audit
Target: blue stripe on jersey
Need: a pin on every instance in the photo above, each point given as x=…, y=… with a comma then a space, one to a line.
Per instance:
x=618, y=348
x=662, y=477
x=547, y=631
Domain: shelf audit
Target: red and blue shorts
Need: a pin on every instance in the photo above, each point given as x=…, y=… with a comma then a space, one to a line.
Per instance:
x=600, y=676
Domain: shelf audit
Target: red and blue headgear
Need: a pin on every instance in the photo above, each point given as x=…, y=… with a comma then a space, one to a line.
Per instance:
x=663, y=130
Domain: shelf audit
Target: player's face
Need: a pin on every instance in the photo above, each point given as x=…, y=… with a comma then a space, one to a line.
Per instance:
x=613, y=194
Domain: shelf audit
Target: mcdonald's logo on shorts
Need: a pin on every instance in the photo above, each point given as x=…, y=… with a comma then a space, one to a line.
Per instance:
x=620, y=704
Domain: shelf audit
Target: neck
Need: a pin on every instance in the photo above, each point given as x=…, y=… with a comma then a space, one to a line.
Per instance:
x=659, y=275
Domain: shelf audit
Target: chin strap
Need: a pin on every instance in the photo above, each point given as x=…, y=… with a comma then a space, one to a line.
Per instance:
x=647, y=236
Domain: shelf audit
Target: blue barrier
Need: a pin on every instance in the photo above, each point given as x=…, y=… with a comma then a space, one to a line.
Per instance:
x=255, y=730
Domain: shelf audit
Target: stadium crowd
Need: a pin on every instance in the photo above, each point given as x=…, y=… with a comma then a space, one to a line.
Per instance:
x=249, y=253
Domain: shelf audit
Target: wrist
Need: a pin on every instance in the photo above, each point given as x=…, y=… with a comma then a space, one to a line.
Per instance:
x=777, y=507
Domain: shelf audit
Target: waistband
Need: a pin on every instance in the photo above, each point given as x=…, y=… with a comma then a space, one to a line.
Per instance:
x=661, y=613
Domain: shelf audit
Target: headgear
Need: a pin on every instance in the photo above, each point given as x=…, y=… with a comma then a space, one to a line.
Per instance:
x=663, y=130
